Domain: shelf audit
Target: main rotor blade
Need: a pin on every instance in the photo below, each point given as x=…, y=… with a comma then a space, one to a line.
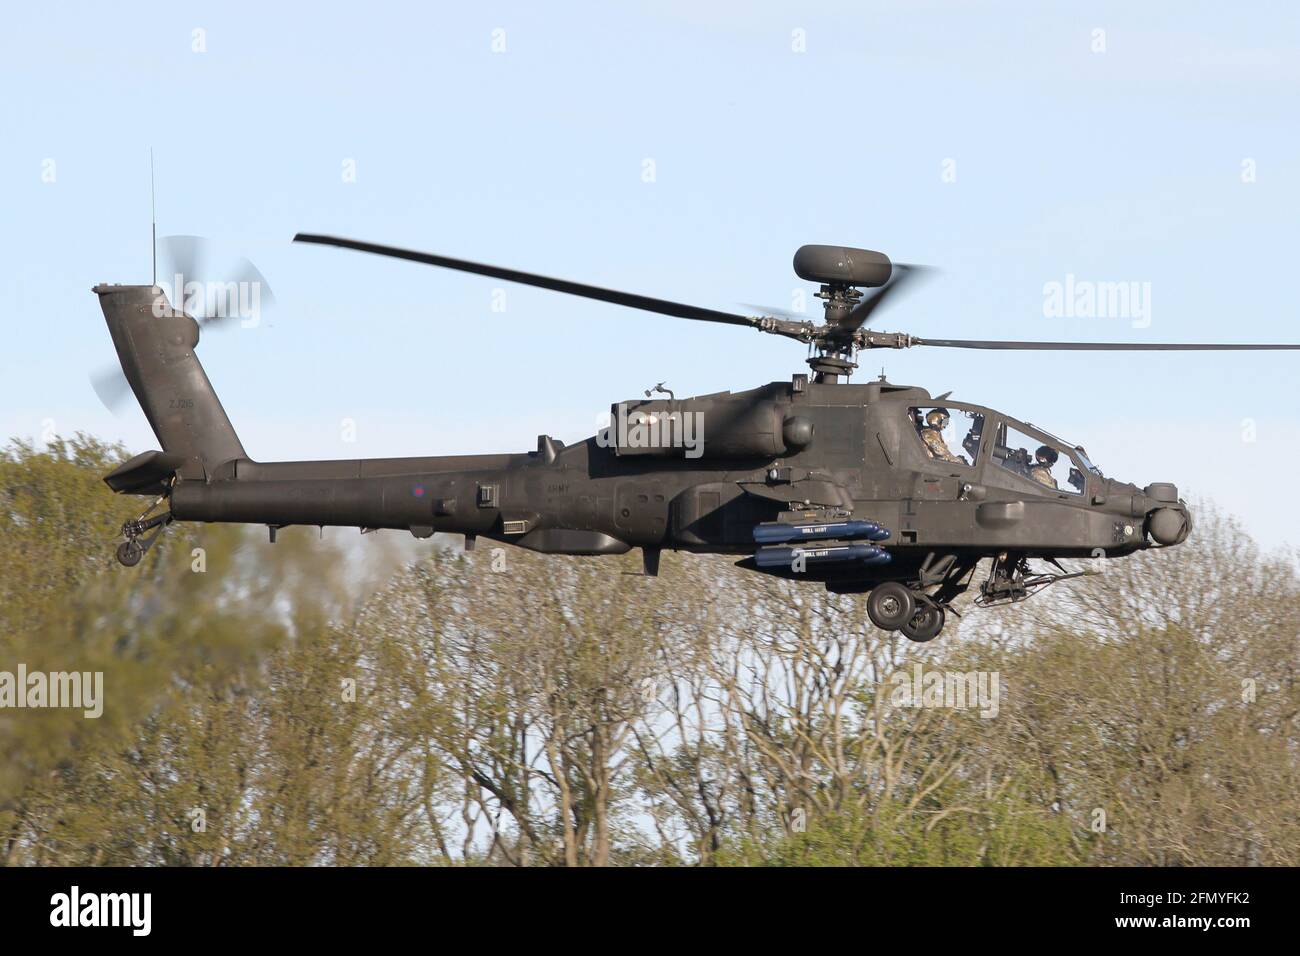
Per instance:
x=1101, y=346
x=643, y=302
x=903, y=272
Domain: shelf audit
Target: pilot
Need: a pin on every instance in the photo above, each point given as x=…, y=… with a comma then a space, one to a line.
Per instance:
x=932, y=434
x=1041, y=471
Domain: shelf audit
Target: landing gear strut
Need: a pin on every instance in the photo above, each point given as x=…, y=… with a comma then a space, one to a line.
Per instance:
x=141, y=534
x=920, y=610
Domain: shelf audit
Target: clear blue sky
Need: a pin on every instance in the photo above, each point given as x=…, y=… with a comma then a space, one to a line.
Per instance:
x=1123, y=165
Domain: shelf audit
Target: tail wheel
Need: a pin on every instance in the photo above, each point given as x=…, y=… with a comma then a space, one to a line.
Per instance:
x=925, y=624
x=129, y=553
x=890, y=606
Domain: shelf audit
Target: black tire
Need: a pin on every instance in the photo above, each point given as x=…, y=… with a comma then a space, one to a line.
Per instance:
x=925, y=624
x=890, y=605
x=129, y=554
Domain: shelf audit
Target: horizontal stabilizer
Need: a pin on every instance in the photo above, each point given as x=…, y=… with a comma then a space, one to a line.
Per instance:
x=146, y=474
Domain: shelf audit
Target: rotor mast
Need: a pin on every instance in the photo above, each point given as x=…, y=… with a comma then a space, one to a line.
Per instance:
x=835, y=358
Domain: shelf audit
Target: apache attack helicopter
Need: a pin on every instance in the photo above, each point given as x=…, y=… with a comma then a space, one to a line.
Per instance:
x=852, y=485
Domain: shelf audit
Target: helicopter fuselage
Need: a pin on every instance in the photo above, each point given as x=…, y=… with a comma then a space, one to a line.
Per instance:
x=858, y=456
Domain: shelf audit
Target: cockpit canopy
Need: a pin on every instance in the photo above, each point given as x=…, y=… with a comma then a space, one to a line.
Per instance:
x=1049, y=463
x=956, y=434
x=938, y=430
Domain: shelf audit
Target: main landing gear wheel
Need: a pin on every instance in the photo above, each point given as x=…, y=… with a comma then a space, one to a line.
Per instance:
x=890, y=606
x=925, y=624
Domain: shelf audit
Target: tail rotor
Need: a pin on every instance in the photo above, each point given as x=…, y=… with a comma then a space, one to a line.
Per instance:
x=217, y=298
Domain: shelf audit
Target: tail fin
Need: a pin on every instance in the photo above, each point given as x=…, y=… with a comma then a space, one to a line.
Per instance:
x=155, y=345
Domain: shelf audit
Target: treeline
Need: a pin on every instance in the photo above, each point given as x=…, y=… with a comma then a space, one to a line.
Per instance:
x=328, y=701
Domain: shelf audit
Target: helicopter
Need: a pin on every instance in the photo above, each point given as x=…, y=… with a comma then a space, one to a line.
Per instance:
x=853, y=486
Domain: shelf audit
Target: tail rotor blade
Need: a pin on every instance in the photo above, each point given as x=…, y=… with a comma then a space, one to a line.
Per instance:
x=188, y=262
x=184, y=260
x=243, y=295
x=248, y=274
x=111, y=386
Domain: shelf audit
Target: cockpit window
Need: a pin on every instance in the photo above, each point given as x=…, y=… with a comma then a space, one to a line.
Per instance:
x=938, y=430
x=1046, y=464
x=1079, y=453
x=1083, y=457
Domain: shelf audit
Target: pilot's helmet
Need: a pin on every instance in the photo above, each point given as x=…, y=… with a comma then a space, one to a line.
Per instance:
x=937, y=418
x=1046, y=455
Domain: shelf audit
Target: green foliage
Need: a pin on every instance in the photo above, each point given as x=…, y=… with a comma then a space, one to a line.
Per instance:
x=221, y=678
x=307, y=704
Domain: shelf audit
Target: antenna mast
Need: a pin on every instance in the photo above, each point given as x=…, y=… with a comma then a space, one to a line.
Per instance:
x=153, y=221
